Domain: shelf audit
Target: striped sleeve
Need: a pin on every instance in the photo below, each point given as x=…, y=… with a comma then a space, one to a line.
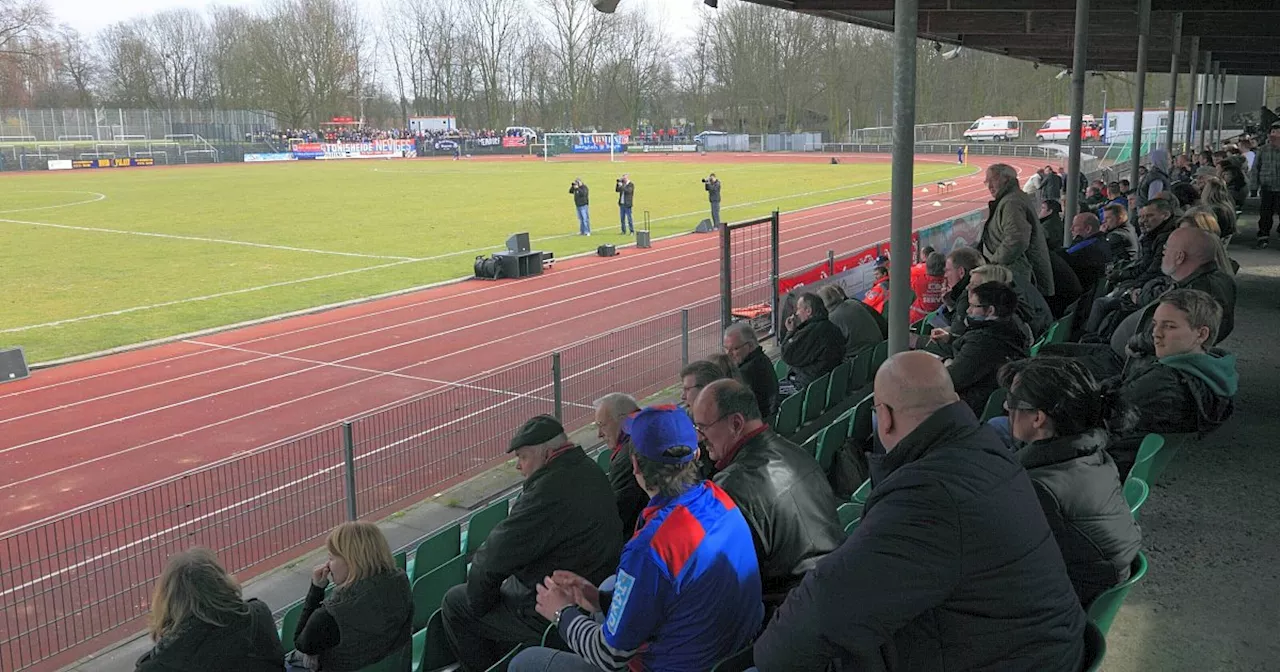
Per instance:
x=586, y=637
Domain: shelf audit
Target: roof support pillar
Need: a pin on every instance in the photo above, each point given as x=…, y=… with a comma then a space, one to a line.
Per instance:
x=1173, y=82
x=1188, y=140
x=1222, y=103
x=906, y=19
x=1203, y=123
x=1140, y=81
x=1211, y=131
x=1079, y=67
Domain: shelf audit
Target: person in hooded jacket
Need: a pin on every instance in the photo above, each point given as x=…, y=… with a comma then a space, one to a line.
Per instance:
x=813, y=346
x=200, y=622
x=992, y=339
x=1156, y=178
x=1058, y=411
x=368, y=617
x=1187, y=387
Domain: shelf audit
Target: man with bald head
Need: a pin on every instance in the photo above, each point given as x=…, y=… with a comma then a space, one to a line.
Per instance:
x=1089, y=252
x=780, y=488
x=953, y=565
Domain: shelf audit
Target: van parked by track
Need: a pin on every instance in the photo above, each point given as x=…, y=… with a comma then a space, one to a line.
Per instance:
x=1058, y=127
x=994, y=129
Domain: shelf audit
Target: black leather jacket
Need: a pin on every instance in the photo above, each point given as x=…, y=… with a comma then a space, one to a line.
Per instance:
x=788, y=503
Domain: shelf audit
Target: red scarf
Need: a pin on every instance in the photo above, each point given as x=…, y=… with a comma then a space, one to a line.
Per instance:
x=733, y=452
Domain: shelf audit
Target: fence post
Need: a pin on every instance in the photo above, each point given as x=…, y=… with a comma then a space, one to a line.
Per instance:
x=349, y=454
x=831, y=263
x=684, y=337
x=774, y=272
x=726, y=282
x=557, y=385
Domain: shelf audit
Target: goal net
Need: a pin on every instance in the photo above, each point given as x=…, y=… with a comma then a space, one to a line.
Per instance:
x=578, y=145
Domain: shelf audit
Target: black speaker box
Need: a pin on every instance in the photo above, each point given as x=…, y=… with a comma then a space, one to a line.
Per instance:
x=13, y=365
x=607, y=250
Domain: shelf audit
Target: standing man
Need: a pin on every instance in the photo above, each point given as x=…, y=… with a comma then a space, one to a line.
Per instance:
x=580, y=201
x=1012, y=235
x=626, y=197
x=712, y=185
x=1265, y=177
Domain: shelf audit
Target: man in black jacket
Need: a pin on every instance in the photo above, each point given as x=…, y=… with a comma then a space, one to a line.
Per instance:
x=992, y=339
x=1158, y=221
x=712, y=184
x=960, y=262
x=953, y=566
x=626, y=198
x=580, y=202
x=1121, y=236
x=780, y=488
x=1090, y=252
x=742, y=345
x=566, y=519
x=611, y=410
x=813, y=346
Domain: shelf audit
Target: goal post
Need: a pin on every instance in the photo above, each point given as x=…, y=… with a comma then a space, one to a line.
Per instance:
x=557, y=144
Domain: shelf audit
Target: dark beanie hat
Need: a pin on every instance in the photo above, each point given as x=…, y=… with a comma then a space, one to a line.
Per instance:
x=538, y=430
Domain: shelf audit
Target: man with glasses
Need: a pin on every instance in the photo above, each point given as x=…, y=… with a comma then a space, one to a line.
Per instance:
x=782, y=491
x=953, y=565
x=743, y=347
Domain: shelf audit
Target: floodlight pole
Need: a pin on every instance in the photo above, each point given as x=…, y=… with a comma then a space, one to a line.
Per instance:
x=906, y=19
x=1139, y=102
x=1194, y=61
x=1173, y=80
x=1079, y=66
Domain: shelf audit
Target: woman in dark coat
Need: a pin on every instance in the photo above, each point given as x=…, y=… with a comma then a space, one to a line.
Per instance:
x=200, y=622
x=1057, y=410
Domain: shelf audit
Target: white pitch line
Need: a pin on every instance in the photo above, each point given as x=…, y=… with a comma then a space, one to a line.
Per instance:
x=99, y=197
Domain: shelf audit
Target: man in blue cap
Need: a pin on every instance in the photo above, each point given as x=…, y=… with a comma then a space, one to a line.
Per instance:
x=687, y=591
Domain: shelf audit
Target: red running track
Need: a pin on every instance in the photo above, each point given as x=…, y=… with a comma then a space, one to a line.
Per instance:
x=80, y=433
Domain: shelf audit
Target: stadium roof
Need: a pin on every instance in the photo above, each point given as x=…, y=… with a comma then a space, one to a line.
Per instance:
x=1242, y=34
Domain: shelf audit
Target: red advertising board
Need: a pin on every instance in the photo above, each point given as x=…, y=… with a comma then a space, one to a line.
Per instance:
x=515, y=141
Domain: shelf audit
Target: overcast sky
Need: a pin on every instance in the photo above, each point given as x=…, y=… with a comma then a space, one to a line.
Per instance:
x=90, y=16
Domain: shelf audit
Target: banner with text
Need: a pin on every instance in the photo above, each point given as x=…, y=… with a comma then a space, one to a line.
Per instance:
x=597, y=143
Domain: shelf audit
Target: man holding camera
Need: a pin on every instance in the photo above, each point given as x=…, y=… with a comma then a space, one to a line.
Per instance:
x=626, y=197
x=712, y=184
x=579, y=191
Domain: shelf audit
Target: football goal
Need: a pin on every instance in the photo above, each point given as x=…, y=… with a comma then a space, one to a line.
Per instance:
x=568, y=144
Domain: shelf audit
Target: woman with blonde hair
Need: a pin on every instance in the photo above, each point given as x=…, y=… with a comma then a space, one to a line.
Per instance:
x=368, y=617
x=1202, y=218
x=199, y=621
x=1217, y=198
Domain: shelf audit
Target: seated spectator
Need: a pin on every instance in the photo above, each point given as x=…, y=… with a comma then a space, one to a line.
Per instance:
x=1032, y=308
x=813, y=346
x=695, y=376
x=1121, y=236
x=1066, y=285
x=742, y=344
x=960, y=263
x=1200, y=217
x=1094, y=197
x=1056, y=409
x=992, y=339
x=1215, y=196
x=611, y=410
x=781, y=490
x=688, y=584
x=1232, y=175
x=1182, y=169
x=1158, y=221
x=1116, y=194
x=1089, y=252
x=1186, y=387
x=1186, y=193
x=565, y=519
x=201, y=623
x=862, y=327
x=725, y=365
x=368, y=617
x=878, y=295
x=953, y=566
x=928, y=281
x=1051, y=223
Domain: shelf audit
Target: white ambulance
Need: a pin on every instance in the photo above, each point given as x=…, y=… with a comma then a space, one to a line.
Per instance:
x=994, y=128
x=1058, y=127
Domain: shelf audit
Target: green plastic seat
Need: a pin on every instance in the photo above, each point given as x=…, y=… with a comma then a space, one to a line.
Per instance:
x=1095, y=647
x=815, y=398
x=1105, y=607
x=289, y=625
x=435, y=550
x=995, y=404
x=431, y=645
x=1155, y=454
x=810, y=446
x=400, y=661
x=482, y=523
x=1135, y=494
x=429, y=589
x=741, y=661
x=603, y=460
x=859, y=371
x=860, y=427
x=838, y=388
x=402, y=560
x=860, y=495
x=1048, y=337
x=925, y=325
x=878, y=356
x=781, y=369
x=848, y=529
x=790, y=413
x=848, y=513
x=832, y=440
x=1061, y=330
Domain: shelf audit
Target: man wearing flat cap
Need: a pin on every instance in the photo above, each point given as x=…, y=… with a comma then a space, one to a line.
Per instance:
x=687, y=592
x=565, y=519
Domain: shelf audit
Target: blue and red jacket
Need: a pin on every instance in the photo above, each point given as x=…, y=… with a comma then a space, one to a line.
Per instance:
x=688, y=590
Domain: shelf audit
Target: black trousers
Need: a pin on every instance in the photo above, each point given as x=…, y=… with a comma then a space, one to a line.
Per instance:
x=1268, y=207
x=480, y=640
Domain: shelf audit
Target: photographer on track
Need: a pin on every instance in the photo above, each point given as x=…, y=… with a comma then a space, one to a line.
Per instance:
x=712, y=184
x=579, y=190
x=626, y=197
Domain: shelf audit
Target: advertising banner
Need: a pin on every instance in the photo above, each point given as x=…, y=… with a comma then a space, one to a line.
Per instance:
x=596, y=143
x=488, y=142
x=667, y=148
x=254, y=158
x=515, y=141
x=59, y=164
x=308, y=150
x=113, y=163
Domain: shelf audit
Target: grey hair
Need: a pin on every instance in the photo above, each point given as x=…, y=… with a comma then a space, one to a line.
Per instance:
x=744, y=331
x=994, y=273
x=617, y=404
x=1003, y=170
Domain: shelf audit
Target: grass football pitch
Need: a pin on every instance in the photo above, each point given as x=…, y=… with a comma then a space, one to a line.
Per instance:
x=96, y=259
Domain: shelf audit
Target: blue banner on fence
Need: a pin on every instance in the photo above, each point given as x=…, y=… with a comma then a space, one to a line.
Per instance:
x=597, y=143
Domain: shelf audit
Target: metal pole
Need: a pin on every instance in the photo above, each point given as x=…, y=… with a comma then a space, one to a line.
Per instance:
x=1213, y=116
x=1173, y=79
x=906, y=21
x=831, y=263
x=775, y=269
x=1079, y=65
x=1222, y=104
x=684, y=337
x=1139, y=102
x=726, y=285
x=1194, y=62
x=349, y=455
x=557, y=386
x=1203, y=122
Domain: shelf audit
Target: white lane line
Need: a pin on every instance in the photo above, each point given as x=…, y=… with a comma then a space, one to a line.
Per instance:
x=96, y=197
x=661, y=262
x=202, y=239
